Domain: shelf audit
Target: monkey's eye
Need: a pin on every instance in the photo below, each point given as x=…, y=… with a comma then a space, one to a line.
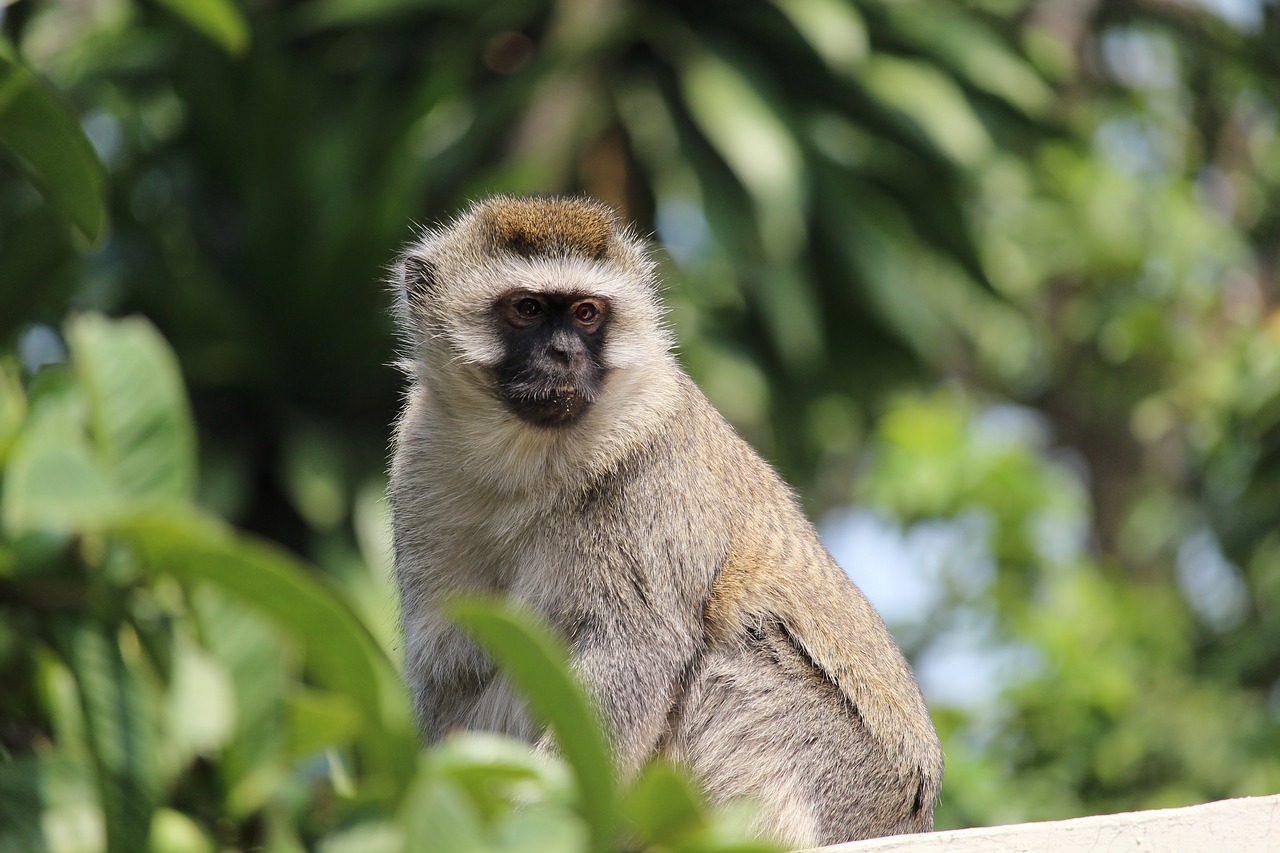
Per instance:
x=528, y=308
x=586, y=313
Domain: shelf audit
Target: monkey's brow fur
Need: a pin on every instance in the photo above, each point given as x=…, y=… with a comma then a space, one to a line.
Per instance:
x=703, y=613
x=547, y=227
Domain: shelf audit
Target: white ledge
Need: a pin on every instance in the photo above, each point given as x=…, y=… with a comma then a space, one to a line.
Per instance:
x=1246, y=825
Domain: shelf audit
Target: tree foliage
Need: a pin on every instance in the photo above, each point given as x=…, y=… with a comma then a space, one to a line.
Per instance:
x=1002, y=273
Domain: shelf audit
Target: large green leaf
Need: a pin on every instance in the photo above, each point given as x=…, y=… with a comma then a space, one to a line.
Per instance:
x=665, y=811
x=661, y=803
x=53, y=483
x=339, y=649
x=45, y=138
x=973, y=51
x=531, y=657
x=252, y=650
x=122, y=730
x=545, y=830
x=20, y=806
x=756, y=143
x=319, y=720
x=201, y=703
x=174, y=832
x=48, y=805
x=934, y=102
x=139, y=413
x=496, y=771
x=220, y=20
x=437, y=815
x=834, y=30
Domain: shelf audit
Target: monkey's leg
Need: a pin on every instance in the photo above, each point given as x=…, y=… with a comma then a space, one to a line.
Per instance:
x=761, y=722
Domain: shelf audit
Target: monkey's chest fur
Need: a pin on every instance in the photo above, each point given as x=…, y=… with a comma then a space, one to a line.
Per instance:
x=593, y=557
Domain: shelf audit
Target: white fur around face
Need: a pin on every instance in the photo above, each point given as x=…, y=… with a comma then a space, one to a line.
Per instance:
x=465, y=424
x=473, y=441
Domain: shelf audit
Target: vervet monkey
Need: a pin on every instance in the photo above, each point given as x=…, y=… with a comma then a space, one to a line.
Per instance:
x=552, y=451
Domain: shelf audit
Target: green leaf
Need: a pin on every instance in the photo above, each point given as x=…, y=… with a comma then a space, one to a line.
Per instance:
x=252, y=650
x=756, y=143
x=723, y=830
x=122, y=734
x=174, y=832
x=48, y=805
x=13, y=407
x=53, y=484
x=496, y=771
x=538, y=664
x=201, y=702
x=20, y=806
x=220, y=20
x=372, y=836
x=45, y=139
x=834, y=29
x=540, y=830
x=527, y=800
x=55, y=685
x=974, y=51
x=319, y=720
x=139, y=413
x=312, y=473
x=934, y=102
x=661, y=803
x=339, y=649
x=437, y=815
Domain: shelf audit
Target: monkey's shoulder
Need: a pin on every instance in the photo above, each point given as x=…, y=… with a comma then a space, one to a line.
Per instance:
x=692, y=468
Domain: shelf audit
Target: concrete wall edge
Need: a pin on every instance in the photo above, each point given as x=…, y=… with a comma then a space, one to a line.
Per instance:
x=1243, y=825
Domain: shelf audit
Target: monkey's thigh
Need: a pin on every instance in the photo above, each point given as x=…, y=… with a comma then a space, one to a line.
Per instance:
x=760, y=721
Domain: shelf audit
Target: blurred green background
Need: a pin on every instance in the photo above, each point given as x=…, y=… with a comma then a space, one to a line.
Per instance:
x=994, y=284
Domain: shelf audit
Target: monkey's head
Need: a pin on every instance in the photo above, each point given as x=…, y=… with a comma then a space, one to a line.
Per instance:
x=535, y=302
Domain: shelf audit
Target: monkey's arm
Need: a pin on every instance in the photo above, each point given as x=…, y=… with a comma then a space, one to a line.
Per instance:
x=633, y=668
x=859, y=656
x=844, y=639
x=630, y=609
x=444, y=669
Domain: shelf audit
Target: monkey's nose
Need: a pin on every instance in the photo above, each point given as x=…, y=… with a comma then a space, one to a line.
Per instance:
x=565, y=351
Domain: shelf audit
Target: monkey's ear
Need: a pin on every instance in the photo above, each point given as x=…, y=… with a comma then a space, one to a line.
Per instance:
x=417, y=279
x=413, y=280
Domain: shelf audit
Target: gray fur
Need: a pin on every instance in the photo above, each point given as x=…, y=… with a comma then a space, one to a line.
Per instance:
x=703, y=614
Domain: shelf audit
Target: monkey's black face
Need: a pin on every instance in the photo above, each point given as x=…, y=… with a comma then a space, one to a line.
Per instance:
x=554, y=365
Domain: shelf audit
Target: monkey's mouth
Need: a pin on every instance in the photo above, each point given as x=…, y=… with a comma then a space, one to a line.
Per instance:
x=551, y=405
